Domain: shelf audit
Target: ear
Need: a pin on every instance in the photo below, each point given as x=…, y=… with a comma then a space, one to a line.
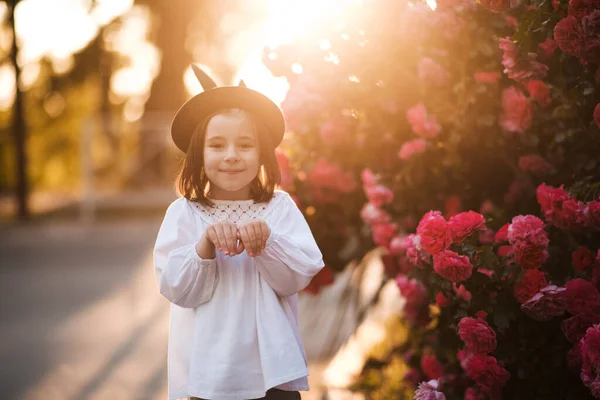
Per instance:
x=242, y=83
x=205, y=80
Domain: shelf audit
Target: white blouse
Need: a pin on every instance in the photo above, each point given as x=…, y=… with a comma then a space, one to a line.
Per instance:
x=234, y=320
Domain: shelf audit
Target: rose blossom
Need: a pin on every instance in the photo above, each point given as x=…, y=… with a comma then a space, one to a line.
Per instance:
x=412, y=147
x=478, y=336
x=530, y=283
x=489, y=375
x=432, y=367
x=430, y=71
x=582, y=258
x=574, y=358
x=433, y=232
x=428, y=391
x=581, y=8
x=590, y=358
x=535, y=164
x=378, y=195
x=415, y=294
x=368, y=178
x=527, y=230
x=372, y=215
x=501, y=235
x=582, y=297
x=383, y=233
x=462, y=225
x=422, y=124
x=441, y=300
x=569, y=35
x=548, y=303
x=452, y=266
x=462, y=292
x=538, y=90
x=547, y=48
x=397, y=245
x=520, y=67
x=591, y=29
x=574, y=328
x=516, y=116
x=530, y=256
x=592, y=214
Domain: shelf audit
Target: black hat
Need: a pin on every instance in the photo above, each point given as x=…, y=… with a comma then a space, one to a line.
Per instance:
x=213, y=99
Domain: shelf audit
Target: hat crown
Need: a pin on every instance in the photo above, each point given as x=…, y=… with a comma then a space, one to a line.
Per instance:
x=205, y=80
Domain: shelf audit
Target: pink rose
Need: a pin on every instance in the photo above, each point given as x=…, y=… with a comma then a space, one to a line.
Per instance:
x=546, y=49
x=478, y=336
x=372, y=215
x=422, y=124
x=452, y=266
x=530, y=256
x=412, y=147
x=489, y=375
x=516, y=116
x=462, y=292
x=581, y=8
x=529, y=285
x=397, y=245
x=527, y=230
x=590, y=358
x=582, y=297
x=434, y=233
x=414, y=292
x=378, y=195
x=502, y=234
x=441, y=300
x=538, y=90
x=432, y=72
x=548, y=303
x=383, y=233
x=592, y=214
x=582, y=258
x=535, y=164
x=574, y=328
x=487, y=77
x=462, y=225
x=431, y=367
x=520, y=67
x=428, y=391
x=368, y=178
x=569, y=36
x=415, y=255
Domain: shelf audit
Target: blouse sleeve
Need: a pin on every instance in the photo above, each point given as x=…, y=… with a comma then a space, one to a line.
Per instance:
x=291, y=257
x=183, y=277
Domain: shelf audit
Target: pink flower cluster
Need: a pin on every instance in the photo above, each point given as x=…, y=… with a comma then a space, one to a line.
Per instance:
x=422, y=124
x=564, y=211
x=529, y=240
x=520, y=67
x=372, y=214
x=415, y=294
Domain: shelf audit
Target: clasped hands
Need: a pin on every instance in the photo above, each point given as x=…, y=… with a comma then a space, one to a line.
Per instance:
x=232, y=239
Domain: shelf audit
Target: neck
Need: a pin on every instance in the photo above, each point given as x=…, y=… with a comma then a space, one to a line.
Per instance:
x=220, y=194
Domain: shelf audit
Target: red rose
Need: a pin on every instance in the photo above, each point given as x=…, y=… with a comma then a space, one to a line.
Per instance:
x=505, y=251
x=546, y=49
x=516, y=115
x=441, y=300
x=530, y=283
x=527, y=230
x=582, y=258
x=581, y=8
x=551, y=199
x=489, y=375
x=548, y=303
x=538, y=90
x=590, y=360
x=433, y=233
x=574, y=328
x=535, y=164
x=452, y=266
x=464, y=224
x=431, y=367
x=462, y=292
x=582, y=297
x=568, y=34
x=571, y=216
x=531, y=257
x=501, y=235
x=479, y=337
x=592, y=214
x=590, y=24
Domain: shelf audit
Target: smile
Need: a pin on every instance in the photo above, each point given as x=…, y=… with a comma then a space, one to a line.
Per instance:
x=232, y=171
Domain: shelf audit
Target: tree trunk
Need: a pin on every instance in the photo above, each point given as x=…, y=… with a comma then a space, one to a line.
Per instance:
x=19, y=129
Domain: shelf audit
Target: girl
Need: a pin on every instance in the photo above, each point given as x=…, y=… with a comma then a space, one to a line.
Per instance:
x=232, y=253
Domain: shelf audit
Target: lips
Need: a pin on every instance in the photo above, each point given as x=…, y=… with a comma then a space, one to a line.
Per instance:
x=232, y=171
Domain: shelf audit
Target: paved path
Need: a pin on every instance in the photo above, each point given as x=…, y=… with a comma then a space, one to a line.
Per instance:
x=80, y=317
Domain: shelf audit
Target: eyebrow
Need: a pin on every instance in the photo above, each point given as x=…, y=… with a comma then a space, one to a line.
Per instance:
x=222, y=137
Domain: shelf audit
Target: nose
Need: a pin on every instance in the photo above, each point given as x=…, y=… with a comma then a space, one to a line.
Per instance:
x=231, y=156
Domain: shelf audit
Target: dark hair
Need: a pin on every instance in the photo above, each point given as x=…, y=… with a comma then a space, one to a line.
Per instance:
x=192, y=182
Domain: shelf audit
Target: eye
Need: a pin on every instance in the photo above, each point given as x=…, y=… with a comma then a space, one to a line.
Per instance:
x=215, y=145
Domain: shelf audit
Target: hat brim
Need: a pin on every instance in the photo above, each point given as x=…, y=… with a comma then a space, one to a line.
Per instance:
x=207, y=103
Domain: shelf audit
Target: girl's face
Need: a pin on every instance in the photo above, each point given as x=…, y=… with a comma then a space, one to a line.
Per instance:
x=231, y=156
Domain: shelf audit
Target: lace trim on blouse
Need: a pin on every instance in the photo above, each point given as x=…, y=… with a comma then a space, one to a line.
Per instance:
x=236, y=211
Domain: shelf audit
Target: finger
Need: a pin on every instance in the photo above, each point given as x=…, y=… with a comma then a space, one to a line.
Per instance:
x=230, y=237
x=265, y=234
x=248, y=232
x=256, y=238
x=222, y=239
x=240, y=247
x=244, y=239
x=212, y=236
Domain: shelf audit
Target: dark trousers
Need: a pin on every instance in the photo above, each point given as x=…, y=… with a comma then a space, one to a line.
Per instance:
x=273, y=394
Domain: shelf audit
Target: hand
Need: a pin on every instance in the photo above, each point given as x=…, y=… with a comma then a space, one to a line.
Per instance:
x=224, y=236
x=253, y=235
